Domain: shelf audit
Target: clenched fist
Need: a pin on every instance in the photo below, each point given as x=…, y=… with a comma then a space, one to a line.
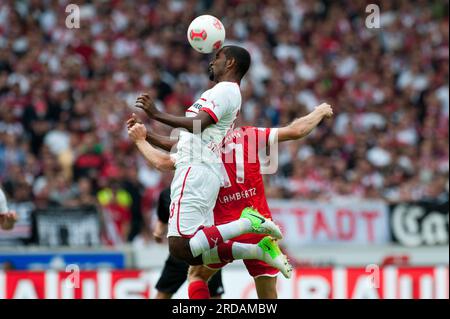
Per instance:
x=133, y=120
x=325, y=109
x=8, y=220
x=137, y=132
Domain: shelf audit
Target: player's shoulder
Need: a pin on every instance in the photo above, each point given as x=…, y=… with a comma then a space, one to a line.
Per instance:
x=246, y=133
x=252, y=129
x=246, y=128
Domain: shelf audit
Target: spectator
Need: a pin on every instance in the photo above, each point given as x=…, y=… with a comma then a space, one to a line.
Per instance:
x=116, y=203
x=65, y=94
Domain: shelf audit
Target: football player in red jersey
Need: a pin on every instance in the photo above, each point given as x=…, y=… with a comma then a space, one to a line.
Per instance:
x=244, y=188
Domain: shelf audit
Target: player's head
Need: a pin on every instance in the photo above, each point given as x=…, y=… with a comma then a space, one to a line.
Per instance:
x=230, y=60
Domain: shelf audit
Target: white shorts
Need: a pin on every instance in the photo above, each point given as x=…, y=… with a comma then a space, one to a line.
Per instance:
x=193, y=196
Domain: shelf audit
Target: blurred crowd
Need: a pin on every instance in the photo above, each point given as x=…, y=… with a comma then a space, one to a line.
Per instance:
x=65, y=94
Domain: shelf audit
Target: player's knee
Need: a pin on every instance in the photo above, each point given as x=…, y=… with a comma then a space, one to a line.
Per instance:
x=199, y=273
x=194, y=274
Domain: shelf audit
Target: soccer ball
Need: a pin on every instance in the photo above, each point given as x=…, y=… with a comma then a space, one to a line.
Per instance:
x=206, y=34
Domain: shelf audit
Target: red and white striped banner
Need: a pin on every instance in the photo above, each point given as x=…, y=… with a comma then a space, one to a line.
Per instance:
x=306, y=283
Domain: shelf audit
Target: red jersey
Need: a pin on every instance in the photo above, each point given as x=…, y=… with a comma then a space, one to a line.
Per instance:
x=244, y=186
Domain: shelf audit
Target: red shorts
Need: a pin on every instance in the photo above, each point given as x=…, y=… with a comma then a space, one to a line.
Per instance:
x=254, y=267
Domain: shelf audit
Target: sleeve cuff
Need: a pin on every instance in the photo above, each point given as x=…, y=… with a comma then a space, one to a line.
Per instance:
x=273, y=136
x=211, y=113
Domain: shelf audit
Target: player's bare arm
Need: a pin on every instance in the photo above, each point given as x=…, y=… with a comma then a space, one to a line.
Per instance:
x=301, y=127
x=165, y=142
x=155, y=158
x=202, y=120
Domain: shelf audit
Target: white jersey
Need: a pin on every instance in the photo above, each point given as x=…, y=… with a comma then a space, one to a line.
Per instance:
x=3, y=203
x=222, y=103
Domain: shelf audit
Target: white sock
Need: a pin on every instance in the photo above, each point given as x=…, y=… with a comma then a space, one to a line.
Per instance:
x=235, y=228
x=238, y=250
x=199, y=243
x=211, y=257
x=247, y=251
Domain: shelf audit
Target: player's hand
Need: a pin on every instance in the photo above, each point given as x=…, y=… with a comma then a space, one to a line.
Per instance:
x=137, y=132
x=160, y=231
x=133, y=120
x=145, y=103
x=8, y=220
x=325, y=109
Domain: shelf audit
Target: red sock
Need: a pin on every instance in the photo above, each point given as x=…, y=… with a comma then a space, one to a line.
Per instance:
x=225, y=252
x=213, y=236
x=198, y=290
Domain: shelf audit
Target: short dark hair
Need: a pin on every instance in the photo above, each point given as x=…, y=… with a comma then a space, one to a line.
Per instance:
x=241, y=56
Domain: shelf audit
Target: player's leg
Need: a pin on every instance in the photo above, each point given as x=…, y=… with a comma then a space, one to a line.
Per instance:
x=198, y=277
x=266, y=250
x=179, y=247
x=264, y=275
x=250, y=222
x=215, y=285
x=194, y=192
x=173, y=275
x=266, y=287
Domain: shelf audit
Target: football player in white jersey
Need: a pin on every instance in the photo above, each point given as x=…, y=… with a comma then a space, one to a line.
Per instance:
x=199, y=171
x=7, y=218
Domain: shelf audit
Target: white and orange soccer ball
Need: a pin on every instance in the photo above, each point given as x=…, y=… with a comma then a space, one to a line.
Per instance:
x=206, y=34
